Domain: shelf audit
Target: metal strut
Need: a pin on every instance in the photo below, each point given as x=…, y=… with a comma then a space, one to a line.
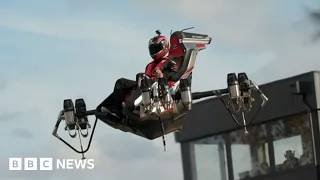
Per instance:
x=70, y=134
x=245, y=124
x=55, y=130
x=239, y=90
x=81, y=132
x=81, y=146
x=163, y=136
x=301, y=91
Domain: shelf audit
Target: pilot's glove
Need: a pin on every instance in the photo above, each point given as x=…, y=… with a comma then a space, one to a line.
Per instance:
x=174, y=65
x=158, y=74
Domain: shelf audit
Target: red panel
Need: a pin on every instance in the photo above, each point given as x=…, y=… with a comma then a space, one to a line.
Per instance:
x=201, y=45
x=176, y=48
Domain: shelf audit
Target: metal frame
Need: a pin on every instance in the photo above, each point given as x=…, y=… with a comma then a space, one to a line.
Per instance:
x=240, y=90
x=311, y=96
x=229, y=157
x=188, y=153
x=316, y=121
x=282, y=103
x=271, y=152
x=188, y=161
x=56, y=127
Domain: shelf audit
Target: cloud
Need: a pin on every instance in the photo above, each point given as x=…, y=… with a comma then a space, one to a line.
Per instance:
x=22, y=133
x=252, y=27
x=67, y=28
x=9, y=116
x=3, y=83
x=92, y=53
x=234, y=22
x=129, y=147
x=107, y=164
x=300, y=60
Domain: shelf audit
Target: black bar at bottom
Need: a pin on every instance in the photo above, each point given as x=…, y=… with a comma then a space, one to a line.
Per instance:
x=204, y=94
x=87, y=113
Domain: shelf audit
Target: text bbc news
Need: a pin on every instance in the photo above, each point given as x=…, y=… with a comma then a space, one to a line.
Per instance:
x=49, y=164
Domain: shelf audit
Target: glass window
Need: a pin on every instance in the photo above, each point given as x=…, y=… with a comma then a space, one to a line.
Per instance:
x=292, y=142
x=210, y=157
x=250, y=152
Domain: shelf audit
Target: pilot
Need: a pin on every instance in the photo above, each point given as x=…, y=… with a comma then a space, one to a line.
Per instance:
x=291, y=161
x=161, y=67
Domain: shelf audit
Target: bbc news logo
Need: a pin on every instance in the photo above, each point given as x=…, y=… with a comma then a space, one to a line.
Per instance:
x=47, y=164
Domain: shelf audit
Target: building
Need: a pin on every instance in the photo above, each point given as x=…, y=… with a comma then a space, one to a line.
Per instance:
x=214, y=147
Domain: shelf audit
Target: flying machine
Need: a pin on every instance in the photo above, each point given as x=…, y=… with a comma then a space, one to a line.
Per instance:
x=156, y=108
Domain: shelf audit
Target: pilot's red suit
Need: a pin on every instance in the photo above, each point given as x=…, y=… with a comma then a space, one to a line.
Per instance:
x=123, y=87
x=169, y=68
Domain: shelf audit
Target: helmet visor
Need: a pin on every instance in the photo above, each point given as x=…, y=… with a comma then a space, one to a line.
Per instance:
x=155, y=48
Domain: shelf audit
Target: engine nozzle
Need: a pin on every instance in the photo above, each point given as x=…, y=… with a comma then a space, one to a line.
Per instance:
x=244, y=83
x=145, y=92
x=186, y=95
x=81, y=110
x=69, y=116
x=234, y=91
x=165, y=93
x=70, y=119
x=245, y=88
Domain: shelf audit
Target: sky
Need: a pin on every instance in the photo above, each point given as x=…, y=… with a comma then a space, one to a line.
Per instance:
x=54, y=50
